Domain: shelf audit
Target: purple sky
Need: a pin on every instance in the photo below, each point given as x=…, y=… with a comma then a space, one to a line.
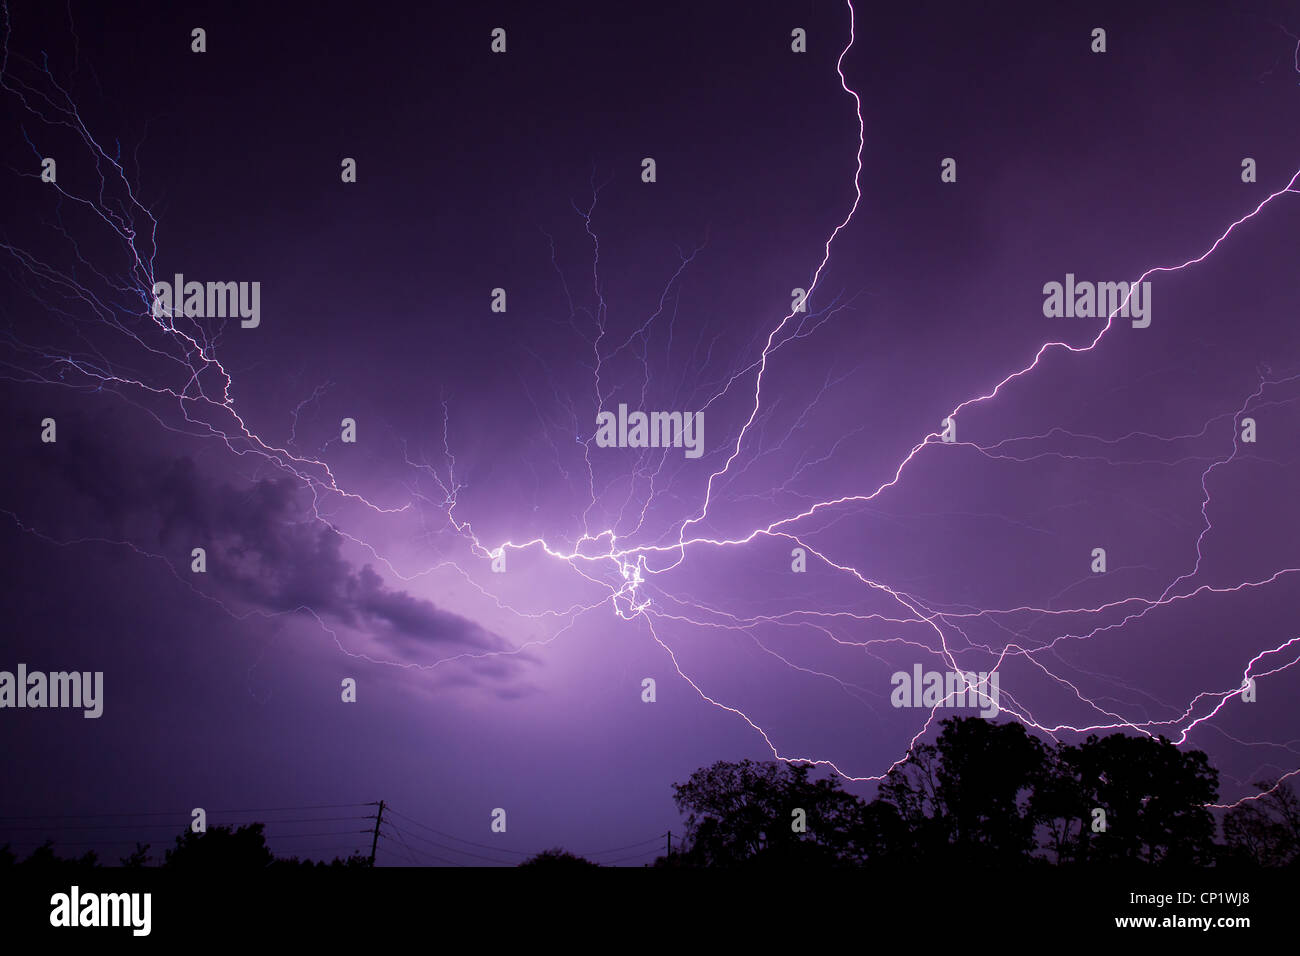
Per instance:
x=522, y=690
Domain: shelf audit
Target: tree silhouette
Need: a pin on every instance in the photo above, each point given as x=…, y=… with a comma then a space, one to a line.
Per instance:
x=1154, y=798
x=1060, y=806
x=138, y=858
x=1266, y=830
x=967, y=796
x=221, y=848
x=745, y=813
x=558, y=858
x=44, y=858
x=984, y=795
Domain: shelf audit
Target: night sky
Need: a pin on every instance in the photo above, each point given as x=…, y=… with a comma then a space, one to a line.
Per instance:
x=372, y=560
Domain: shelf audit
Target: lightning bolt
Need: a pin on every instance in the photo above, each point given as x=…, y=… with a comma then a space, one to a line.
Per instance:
x=173, y=364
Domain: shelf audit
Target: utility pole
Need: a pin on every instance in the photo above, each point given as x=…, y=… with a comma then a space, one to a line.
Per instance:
x=670, y=843
x=379, y=818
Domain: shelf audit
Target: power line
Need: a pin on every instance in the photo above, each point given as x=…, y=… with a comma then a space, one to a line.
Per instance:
x=108, y=843
x=70, y=843
x=330, y=849
x=642, y=855
x=184, y=813
x=458, y=839
x=335, y=850
x=453, y=849
x=410, y=854
x=482, y=846
x=412, y=850
x=159, y=826
x=653, y=839
x=382, y=819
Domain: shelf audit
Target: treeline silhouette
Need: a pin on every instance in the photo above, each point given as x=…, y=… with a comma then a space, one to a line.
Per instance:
x=987, y=795
x=983, y=795
x=217, y=848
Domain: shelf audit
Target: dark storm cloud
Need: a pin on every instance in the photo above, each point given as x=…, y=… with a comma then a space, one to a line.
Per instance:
x=263, y=546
